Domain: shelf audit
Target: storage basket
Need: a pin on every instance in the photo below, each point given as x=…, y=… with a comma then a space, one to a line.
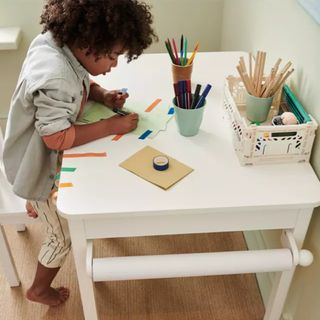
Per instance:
x=265, y=143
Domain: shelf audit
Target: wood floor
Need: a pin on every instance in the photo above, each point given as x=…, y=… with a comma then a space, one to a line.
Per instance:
x=235, y=297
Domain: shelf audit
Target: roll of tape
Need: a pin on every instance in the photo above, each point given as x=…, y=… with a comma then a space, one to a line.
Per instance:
x=161, y=163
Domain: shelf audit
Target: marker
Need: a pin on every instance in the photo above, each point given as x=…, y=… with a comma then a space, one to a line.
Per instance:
x=203, y=96
x=118, y=110
x=188, y=85
x=181, y=93
x=123, y=90
x=176, y=93
x=196, y=96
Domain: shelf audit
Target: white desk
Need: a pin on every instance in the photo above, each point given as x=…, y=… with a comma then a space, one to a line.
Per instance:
x=107, y=201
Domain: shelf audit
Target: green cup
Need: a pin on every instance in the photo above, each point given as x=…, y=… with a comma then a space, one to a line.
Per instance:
x=188, y=120
x=257, y=109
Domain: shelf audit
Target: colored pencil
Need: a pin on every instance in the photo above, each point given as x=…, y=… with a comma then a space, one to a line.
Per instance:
x=181, y=50
x=176, y=52
x=170, y=52
x=185, y=51
x=170, y=47
x=190, y=60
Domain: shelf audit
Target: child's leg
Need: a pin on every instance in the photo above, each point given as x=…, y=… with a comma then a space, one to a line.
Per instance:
x=41, y=290
x=52, y=255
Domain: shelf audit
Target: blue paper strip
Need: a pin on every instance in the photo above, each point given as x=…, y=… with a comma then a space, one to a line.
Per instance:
x=145, y=134
x=171, y=110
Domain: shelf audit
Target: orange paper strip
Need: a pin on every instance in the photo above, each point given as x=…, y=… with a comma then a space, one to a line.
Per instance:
x=65, y=185
x=117, y=137
x=88, y=154
x=153, y=105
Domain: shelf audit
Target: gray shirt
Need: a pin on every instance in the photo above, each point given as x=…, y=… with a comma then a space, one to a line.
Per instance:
x=46, y=100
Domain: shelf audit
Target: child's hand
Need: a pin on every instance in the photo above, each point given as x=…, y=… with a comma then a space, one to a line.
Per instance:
x=124, y=124
x=115, y=98
x=30, y=211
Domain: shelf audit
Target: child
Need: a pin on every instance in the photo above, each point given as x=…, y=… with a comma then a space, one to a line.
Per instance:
x=79, y=37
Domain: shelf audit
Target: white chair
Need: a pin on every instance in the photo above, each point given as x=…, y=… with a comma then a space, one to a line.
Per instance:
x=12, y=211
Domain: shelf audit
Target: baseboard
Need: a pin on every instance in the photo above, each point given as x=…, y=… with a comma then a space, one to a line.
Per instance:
x=3, y=121
x=255, y=241
x=286, y=316
x=3, y=116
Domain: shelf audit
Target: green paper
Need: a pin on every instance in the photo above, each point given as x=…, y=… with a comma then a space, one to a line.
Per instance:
x=155, y=120
x=93, y=112
x=68, y=169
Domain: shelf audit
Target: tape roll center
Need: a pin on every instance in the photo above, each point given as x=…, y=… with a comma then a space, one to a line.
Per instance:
x=160, y=163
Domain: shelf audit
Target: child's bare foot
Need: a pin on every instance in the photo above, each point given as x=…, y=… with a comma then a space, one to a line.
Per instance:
x=51, y=297
x=30, y=211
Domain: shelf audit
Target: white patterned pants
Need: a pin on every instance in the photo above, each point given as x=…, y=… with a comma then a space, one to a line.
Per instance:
x=57, y=244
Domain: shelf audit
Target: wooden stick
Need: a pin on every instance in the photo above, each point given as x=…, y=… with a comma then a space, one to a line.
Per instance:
x=261, y=71
x=286, y=67
x=269, y=88
x=242, y=64
x=271, y=76
x=282, y=73
x=250, y=65
x=276, y=66
x=250, y=85
x=276, y=88
x=244, y=80
x=258, y=80
x=256, y=67
x=246, y=77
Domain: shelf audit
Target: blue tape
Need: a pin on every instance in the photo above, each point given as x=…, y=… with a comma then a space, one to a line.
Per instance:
x=171, y=110
x=160, y=163
x=145, y=134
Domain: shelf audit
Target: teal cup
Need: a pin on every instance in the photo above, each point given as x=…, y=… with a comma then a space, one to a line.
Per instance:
x=257, y=109
x=188, y=120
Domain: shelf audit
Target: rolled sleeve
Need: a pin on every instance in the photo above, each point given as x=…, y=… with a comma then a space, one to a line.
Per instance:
x=61, y=140
x=55, y=110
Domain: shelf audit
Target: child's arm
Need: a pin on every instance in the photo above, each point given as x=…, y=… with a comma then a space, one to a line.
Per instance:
x=112, y=99
x=81, y=134
x=53, y=110
x=114, y=125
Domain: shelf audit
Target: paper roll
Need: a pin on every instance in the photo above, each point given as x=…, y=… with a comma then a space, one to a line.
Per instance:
x=189, y=265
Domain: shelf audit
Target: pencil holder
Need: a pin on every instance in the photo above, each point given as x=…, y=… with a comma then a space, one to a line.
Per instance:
x=257, y=108
x=188, y=120
x=181, y=72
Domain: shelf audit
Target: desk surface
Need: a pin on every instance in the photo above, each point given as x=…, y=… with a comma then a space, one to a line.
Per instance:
x=218, y=182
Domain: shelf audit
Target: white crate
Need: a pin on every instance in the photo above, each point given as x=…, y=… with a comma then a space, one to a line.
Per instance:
x=265, y=143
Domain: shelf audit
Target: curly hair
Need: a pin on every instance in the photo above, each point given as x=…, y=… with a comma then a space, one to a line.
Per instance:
x=98, y=25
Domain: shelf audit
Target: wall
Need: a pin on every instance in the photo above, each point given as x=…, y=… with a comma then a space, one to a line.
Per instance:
x=171, y=19
x=24, y=14
x=283, y=29
x=195, y=19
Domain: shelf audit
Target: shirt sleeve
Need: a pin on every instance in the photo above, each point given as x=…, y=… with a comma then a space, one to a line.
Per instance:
x=61, y=140
x=55, y=109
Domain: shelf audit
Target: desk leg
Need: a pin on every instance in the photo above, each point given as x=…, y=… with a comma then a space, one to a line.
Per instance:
x=86, y=285
x=9, y=267
x=283, y=280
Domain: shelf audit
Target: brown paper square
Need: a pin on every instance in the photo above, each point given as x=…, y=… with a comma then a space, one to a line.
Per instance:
x=141, y=164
